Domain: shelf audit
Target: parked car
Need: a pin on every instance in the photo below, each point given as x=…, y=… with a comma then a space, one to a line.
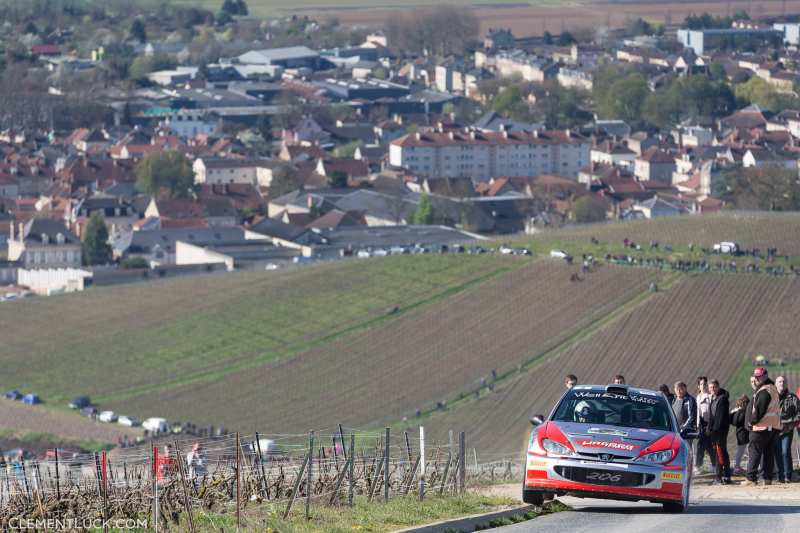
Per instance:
x=107, y=416
x=271, y=266
x=506, y=250
x=397, y=250
x=379, y=252
x=89, y=411
x=268, y=448
x=31, y=399
x=363, y=254
x=522, y=251
x=128, y=421
x=80, y=402
x=726, y=247
x=156, y=425
x=13, y=394
x=559, y=254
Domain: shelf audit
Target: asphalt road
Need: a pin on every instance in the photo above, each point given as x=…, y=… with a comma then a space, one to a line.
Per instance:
x=728, y=516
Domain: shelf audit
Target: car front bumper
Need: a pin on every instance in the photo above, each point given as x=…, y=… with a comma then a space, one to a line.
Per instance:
x=563, y=476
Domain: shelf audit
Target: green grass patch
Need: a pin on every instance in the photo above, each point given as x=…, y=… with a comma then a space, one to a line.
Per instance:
x=121, y=341
x=375, y=516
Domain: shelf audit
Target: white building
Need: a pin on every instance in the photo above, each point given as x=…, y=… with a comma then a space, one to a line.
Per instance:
x=49, y=281
x=790, y=30
x=233, y=171
x=482, y=155
x=192, y=122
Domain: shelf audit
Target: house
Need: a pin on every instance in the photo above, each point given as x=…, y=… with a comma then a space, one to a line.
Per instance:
x=229, y=171
x=654, y=164
x=529, y=67
x=44, y=243
x=379, y=208
x=186, y=212
x=706, y=40
x=654, y=207
x=191, y=122
x=499, y=38
x=119, y=214
x=612, y=153
x=47, y=281
x=354, y=169
x=764, y=157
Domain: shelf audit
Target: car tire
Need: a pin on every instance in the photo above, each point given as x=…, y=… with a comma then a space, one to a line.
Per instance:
x=533, y=497
x=674, y=507
x=548, y=496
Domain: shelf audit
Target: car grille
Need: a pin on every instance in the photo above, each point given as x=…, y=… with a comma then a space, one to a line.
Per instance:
x=604, y=477
x=606, y=457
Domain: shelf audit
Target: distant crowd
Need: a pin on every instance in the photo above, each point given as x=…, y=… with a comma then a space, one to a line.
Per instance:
x=764, y=422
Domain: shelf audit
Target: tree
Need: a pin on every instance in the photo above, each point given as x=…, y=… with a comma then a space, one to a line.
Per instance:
x=423, y=215
x=618, y=97
x=768, y=188
x=138, y=30
x=96, y=250
x=547, y=38
x=444, y=30
x=506, y=99
x=565, y=39
x=338, y=179
x=284, y=181
x=589, y=209
x=170, y=171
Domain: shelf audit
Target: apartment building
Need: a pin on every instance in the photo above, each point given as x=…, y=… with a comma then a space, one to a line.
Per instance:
x=483, y=154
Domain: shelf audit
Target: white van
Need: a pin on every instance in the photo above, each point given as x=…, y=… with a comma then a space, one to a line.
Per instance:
x=156, y=425
x=726, y=247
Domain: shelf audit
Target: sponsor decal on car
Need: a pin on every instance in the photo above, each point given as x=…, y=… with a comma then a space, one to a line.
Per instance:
x=607, y=444
x=671, y=476
x=536, y=463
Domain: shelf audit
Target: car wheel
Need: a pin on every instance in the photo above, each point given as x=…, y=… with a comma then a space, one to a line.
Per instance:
x=549, y=496
x=533, y=497
x=674, y=507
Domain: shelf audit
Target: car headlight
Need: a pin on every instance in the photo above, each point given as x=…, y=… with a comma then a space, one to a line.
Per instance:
x=657, y=457
x=555, y=448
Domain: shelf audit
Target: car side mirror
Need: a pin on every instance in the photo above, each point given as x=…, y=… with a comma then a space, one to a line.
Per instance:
x=537, y=420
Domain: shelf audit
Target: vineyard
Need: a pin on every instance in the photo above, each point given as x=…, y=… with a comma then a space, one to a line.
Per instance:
x=146, y=338
x=751, y=230
x=435, y=354
x=233, y=476
x=703, y=325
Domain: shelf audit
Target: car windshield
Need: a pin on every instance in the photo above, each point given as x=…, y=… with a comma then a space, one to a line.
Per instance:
x=626, y=410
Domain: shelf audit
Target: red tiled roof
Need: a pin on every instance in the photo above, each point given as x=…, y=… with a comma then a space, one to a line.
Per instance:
x=488, y=138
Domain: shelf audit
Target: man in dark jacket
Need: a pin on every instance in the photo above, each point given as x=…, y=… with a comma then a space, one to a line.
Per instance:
x=685, y=409
x=717, y=431
x=790, y=415
x=765, y=422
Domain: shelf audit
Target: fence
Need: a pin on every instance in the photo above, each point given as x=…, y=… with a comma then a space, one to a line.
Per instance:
x=170, y=482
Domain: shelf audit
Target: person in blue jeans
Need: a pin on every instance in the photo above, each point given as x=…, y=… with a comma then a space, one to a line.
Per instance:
x=790, y=415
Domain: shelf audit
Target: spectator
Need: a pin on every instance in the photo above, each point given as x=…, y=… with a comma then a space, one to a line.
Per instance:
x=665, y=391
x=790, y=415
x=685, y=409
x=765, y=422
x=570, y=381
x=738, y=418
x=703, y=417
x=619, y=379
x=196, y=462
x=717, y=432
x=165, y=467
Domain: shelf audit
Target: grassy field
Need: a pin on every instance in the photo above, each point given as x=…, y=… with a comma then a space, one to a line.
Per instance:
x=113, y=343
x=386, y=371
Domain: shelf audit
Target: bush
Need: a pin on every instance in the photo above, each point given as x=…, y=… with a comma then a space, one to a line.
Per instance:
x=130, y=263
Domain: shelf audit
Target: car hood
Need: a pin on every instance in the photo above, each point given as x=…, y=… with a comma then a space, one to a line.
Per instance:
x=597, y=439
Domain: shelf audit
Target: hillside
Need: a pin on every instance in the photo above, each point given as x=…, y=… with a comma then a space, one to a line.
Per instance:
x=368, y=342
x=702, y=325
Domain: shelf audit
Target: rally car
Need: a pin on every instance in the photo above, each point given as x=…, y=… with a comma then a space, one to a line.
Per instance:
x=612, y=442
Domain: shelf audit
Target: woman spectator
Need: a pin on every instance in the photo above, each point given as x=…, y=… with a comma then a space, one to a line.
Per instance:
x=738, y=415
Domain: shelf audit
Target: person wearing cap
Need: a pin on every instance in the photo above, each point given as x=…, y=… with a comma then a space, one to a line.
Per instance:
x=766, y=422
x=790, y=415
